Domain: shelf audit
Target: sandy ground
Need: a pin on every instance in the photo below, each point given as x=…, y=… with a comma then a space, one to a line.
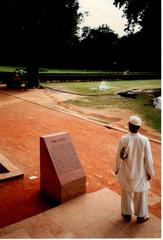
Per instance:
x=112, y=116
x=27, y=115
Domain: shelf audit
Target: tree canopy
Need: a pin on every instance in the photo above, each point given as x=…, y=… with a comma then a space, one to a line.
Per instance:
x=37, y=30
x=146, y=13
x=35, y=33
x=97, y=47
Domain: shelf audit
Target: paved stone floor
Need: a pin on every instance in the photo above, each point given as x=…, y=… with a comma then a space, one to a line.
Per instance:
x=91, y=215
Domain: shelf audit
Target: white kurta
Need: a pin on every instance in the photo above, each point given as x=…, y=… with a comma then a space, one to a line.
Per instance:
x=132, y=171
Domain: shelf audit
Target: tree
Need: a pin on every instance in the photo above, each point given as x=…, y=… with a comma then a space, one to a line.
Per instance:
x=146, y=13
x=36, y=33
x=97, y=47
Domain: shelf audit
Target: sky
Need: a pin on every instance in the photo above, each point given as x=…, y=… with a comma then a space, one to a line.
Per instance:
x=103, y=12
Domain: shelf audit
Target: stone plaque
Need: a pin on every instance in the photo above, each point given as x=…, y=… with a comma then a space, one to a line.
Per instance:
x=62, y=175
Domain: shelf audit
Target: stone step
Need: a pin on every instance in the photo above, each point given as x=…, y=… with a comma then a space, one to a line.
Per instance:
x=19, y=233
x=91, y=215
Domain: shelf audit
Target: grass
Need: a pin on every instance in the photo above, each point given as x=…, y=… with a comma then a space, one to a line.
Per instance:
x=108, y=99
x=6, y=68
x=74, y=71
x=142, y=104
x=91, y=88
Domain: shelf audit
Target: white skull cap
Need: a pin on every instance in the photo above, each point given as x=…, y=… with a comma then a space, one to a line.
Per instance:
x=135, y=120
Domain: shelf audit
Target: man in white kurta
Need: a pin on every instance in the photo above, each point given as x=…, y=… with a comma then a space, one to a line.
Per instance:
x=134, y=171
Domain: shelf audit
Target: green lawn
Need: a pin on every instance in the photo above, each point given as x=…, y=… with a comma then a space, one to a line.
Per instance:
x=100, y=99
x=109, y=99
x=59, y=71
x=5, y=68
x=91, y=88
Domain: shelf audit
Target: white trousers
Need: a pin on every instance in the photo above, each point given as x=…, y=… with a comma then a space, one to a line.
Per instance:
x=134, y=203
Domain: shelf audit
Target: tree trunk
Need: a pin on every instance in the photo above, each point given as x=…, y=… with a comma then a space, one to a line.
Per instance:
x=33, y=76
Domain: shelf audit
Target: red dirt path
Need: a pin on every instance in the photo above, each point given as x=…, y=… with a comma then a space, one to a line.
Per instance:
x=21, y=125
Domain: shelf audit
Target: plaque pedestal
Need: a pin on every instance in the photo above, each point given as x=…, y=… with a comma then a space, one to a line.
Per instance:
x=62, y=175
